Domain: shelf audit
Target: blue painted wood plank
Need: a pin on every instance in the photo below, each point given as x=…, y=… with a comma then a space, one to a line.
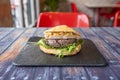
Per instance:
x=8, y=71
x=9, y=39
x=109, y=39
x=4, y=32
x=99, y=73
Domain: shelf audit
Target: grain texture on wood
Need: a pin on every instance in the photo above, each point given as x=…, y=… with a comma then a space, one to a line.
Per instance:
x=9, y=39
x=108, y=52
x=7, y=57
x=116, y=70
x=75, y=73
x=113, y=31
x=4, y=32
x=103, y=73
x=98, y=73
x=12, y=41
x=109, y=39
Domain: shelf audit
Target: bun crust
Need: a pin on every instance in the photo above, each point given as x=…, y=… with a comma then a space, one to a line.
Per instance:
x=61, y=28
x=61, y=32
x=55, y=51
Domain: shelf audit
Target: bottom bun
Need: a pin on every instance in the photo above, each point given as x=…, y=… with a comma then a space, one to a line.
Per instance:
x=55, y=51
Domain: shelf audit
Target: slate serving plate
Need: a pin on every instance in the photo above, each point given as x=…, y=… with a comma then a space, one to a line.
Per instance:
x=31, y=55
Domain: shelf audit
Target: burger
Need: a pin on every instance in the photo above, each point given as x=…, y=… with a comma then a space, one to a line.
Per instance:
x=61, y=41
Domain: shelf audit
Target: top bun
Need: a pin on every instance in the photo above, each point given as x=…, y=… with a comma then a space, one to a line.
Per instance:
x=61, y=31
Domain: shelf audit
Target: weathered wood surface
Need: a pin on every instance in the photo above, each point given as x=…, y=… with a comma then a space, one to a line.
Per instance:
x=107, y=40
x=97, y=73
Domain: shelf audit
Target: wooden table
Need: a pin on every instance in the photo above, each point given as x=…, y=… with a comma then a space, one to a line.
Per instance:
x=12, y=40
x=96, y=5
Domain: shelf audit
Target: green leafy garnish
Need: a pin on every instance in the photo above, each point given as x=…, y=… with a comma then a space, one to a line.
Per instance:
x=69, y=48
x=42, y=43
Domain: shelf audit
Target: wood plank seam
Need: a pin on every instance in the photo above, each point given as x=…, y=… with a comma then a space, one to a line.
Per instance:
x=7, y=34
x=95, y=77
x=8, y=45
x=107, y=31
x=106, y=42
x=9, y=49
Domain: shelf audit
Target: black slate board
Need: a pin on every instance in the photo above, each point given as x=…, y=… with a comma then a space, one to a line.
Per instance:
x=31, y=55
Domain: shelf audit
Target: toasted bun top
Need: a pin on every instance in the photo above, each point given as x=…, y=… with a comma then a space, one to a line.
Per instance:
x=62, y=30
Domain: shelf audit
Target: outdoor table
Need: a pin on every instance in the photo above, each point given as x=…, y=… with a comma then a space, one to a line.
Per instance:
x=107, y=40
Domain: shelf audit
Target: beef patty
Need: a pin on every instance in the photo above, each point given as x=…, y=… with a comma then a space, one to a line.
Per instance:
x=59, y=42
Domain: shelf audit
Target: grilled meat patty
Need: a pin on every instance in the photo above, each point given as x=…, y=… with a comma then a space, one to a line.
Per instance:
x=59, y=42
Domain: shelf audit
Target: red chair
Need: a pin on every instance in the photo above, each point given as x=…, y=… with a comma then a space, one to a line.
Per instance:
x=109, y=15
x=50, y=19
x=73, y=7
x=117, y=19
x=115, y=9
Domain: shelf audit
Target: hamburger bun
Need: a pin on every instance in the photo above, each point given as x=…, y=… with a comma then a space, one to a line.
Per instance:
x=61, y=40
x=61, y=31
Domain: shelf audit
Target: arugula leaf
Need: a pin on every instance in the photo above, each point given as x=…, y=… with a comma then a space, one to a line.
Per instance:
x=60, y=54
x=42, y=43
